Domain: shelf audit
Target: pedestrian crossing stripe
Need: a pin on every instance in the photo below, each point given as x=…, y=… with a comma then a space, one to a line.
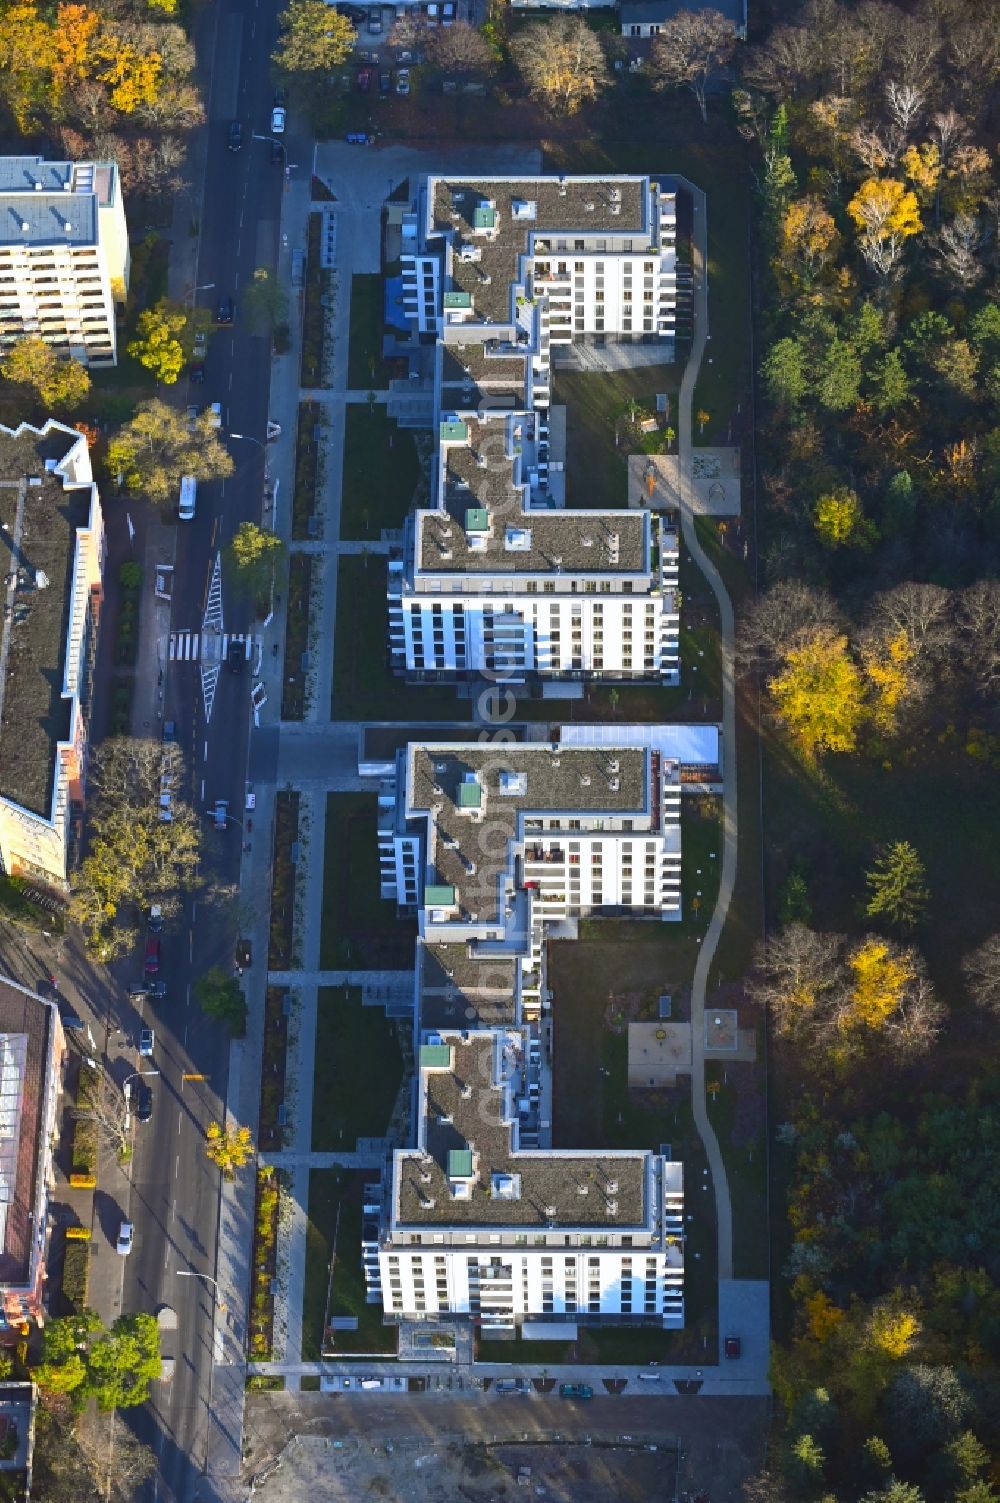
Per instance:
x=190, y=646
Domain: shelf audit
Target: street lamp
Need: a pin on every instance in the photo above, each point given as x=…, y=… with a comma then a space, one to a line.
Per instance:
x=217, y=1304
x=205, y=287
x=127, y=1083
x=248, y=438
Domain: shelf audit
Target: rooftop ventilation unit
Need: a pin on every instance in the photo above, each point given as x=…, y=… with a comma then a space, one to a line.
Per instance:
x=585, y=781
x=590, y=206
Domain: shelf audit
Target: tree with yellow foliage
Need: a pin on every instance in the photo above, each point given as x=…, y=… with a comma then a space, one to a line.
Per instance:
x=887, y=214
x=887, y=997
x=840, y=521
x=818, y=694
x=887, y=660
x=923, y=168
x=27, y=53
x=314, y=38
x=157, y=345
x=59, y=381
x=880, y=976
x=561, y=62
x=809, y=238
x=823, y=1317
x=132, y=75
x=228, y=1148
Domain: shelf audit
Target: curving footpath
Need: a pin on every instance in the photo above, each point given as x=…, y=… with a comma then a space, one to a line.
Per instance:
x=727, y=877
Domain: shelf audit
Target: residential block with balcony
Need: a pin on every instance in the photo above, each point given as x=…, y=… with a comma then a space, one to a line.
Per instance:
x=64, y=255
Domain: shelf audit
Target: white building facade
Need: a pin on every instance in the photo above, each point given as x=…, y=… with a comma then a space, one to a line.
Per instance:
x=64, y=255
x=497, y=577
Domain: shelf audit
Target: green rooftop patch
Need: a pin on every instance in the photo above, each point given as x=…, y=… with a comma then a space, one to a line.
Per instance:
x=454, y=432
x=435, y=1056
x=439, y=895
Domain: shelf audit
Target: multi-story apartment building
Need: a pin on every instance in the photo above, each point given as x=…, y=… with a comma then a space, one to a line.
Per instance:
x=64, y=255
x=496, y=578
x=490, y=846
x=52, y=549
x=31, y=1051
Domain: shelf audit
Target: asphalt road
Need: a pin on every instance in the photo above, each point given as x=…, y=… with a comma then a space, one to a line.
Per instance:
x=175, y=1191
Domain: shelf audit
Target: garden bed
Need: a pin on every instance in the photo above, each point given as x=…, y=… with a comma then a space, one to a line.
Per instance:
x=265, y=1264
x=317, y=284
x=270, y=1127
x=293, y=691
x=75, y=1283
x=283, y=862
x=307, y=469
x=84, y=1159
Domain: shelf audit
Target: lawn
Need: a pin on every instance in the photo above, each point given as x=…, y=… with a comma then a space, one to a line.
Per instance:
x=596, y=469
x=381, y=473
x=363, y=687
x=358, y=1067
x=360, y=928
x=736, y=1110
x=365, y=368
x=330, y=1191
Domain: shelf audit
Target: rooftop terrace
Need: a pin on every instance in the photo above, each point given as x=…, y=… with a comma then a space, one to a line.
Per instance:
x=459, y=991
x=467, y=1138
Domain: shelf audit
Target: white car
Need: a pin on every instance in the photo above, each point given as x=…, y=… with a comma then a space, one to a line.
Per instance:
x=215, y=413
x=147, y=1041
x=278, y=120
x=125, y=1234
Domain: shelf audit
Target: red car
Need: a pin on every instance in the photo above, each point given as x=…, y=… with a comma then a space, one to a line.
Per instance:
x=151, y=963
x=364, y=79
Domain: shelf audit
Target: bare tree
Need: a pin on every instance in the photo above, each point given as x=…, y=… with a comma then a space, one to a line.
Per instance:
x=871, y=148
x=973, y=52
x=922, y=612
x=981, y=970
x=689, y=51
x=786, y=64
x=956, y=249
x=978, y=621
x=118, y=1462
x=916, y=48
x=880, y=23
x=561, y=62
x=905, y=104
x=781, y=619
x=409, y=33
x=106, y=1107
x=459, y=49
x=948, y=130
x=798, y=977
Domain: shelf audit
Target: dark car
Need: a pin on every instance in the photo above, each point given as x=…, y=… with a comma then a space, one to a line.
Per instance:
x=364, y=79
x=279, y=98
x=151, y=961
x=385, y=83
x=143, y=1101
x=235, y=136
x=225, y=311
x=277, y=154
x=196, y=371
x=236, y=657
x=733, y=1346
x=170, y=730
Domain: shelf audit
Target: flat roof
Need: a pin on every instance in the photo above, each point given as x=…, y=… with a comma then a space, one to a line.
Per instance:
x=464, y=1114
x=456, y=206
x=514, y=780
x=458, y=990
x=36, y=713
x=479, y=478
x=25, y=1023
x=690, y=745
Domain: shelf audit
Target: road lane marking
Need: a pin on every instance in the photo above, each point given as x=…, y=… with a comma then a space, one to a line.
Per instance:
x=203, y=789
x=178, y=1124
x=185, y=1035
x=194, y=909
x=177, y=1162
x=204, y=751
x=194, y=1077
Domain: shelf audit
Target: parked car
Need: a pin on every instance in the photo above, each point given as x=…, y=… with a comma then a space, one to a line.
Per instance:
x=732, y=1346
x=279, y=97
x=375, y=22
x=278, y=120
x=359, y=138
x=155, y=921
x=143, y=1101
x=403, y=82
x=151, y=960
x=200, y=347
x=277, y=154
x=225, y=311
x=147, y=1039
x=235, y=136
x=236, y=657
x=140, y=989
x=447, y=12
x=215, y=413
x=433, y=12
x=125, y=1234
x=220, y=813
x=170, y=730
x=197, y=371
x=575, y=1391
x=364, y=79
x=385, y=82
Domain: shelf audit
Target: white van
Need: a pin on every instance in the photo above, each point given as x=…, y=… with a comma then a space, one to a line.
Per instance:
x=189, y=494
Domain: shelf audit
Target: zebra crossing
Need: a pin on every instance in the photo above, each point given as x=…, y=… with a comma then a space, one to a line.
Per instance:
x=207, y=646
